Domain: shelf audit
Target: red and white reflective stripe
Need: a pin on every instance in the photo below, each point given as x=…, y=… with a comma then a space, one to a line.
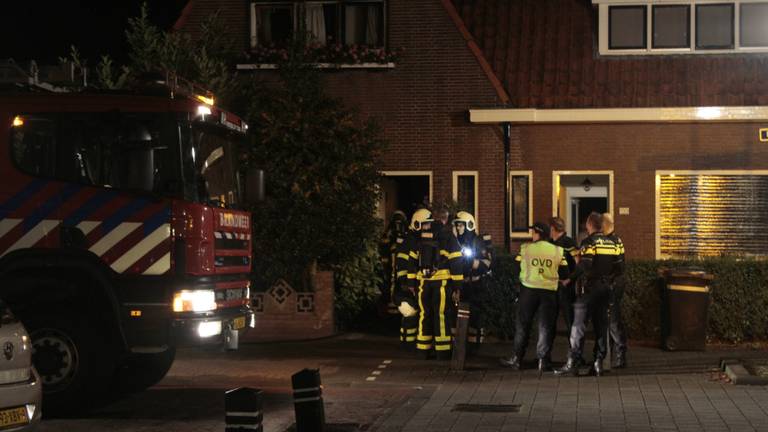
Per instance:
x=142, y=248
x=34, y=235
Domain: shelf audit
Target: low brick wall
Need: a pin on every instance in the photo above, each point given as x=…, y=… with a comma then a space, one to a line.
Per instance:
x=285, y=314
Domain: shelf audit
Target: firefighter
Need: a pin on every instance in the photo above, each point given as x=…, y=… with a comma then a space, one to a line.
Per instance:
x=476, y=259
x=566, y=293
x=393, y=236
x=434, y=272
x=599, y=258
x=616, y=328
x=540, y=267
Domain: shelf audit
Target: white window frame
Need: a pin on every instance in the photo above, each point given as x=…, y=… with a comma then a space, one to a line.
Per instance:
x=657, y=198
x=529, y=174
x=603, y=25
x=455, y=194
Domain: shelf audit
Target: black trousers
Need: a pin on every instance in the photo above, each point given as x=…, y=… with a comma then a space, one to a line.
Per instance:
x=566, y=296
x=470, y=293
x=592, y=306
x=530, y=301
x=436, y=316
x=617, y=329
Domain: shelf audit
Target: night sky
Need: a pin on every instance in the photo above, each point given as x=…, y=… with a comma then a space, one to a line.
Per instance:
x=44, y=30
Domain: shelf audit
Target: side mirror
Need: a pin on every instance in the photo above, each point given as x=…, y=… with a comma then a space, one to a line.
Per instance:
x=254, y=185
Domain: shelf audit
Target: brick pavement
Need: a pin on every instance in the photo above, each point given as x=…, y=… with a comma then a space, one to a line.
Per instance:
x=659, y=392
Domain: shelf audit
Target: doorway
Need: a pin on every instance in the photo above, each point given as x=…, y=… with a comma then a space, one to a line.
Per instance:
x=577, y=194
x=406, y=191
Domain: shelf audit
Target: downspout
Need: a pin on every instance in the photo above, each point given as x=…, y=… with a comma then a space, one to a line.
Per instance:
x=507, y=127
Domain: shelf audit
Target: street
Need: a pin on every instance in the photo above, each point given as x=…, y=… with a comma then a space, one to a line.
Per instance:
x=368, y=384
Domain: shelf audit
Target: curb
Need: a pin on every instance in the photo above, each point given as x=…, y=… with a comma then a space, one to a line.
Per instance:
x=739, y=375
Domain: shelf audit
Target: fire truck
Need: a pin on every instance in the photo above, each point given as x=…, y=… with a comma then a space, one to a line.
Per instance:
x=121, y=236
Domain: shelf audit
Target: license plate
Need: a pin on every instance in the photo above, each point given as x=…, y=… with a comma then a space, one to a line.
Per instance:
x=13, y=417
x=239, y=323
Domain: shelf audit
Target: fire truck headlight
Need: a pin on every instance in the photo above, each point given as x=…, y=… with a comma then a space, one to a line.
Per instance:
x=203, y=110
x=467, y=252
x=194, y=301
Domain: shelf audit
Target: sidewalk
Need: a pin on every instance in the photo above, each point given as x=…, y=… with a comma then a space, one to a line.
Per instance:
x=660, y=391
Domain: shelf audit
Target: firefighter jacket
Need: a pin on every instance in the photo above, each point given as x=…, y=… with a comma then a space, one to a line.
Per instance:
x=601, y=259
x=541, y=265
x=388, y=248
x=476, y=258
x=431, y=256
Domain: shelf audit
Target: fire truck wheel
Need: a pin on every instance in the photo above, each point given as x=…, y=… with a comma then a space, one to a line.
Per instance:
x=72, y=358
x=141, y=371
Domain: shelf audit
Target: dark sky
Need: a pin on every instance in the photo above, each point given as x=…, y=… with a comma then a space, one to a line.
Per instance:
x=44, y=30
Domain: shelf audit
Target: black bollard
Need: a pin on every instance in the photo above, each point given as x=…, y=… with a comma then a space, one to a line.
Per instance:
x=308, y=401
x=243, y=410
x=460, y=341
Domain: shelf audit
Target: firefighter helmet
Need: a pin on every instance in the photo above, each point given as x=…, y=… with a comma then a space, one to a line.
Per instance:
x=420, y=217
x=467, y=219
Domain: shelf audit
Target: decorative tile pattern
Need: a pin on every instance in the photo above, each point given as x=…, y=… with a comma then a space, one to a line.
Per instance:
x=305, y=302
x=280, y=291
x=257, y=302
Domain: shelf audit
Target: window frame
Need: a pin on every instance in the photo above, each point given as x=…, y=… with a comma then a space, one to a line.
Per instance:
x=254, y=43
x=517, y=234
x=603, y=22
x=455, y=190
x=645, y=26
x=653, y=25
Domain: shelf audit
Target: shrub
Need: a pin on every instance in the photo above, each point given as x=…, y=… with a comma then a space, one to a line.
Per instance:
x=737, y=313
x=356, y=288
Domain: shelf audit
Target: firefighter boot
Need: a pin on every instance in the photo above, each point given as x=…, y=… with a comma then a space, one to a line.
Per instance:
x=511, y=362
x=597, y=367
x=571, y=367
x=621, y=360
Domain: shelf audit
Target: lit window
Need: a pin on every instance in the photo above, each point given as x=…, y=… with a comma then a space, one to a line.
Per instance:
x=714, y=26
x=627, y=27
x=520, y=214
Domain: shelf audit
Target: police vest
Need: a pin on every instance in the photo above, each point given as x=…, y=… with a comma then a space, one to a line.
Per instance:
x=539, y=264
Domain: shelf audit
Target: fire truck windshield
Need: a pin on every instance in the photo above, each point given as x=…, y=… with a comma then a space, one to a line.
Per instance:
x=209, y=155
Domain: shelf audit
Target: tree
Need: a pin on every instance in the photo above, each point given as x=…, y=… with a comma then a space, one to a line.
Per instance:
x=320, y=166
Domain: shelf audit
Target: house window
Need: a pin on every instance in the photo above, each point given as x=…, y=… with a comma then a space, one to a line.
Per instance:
x=671, y=26
x=364, y=24
x=345, y=22
x=627, y=27
x=754, y=31
x=465, y=191
x=714, y=26
x=272, y=24
x=655, y=27
x=695, y=213
x=520, y=203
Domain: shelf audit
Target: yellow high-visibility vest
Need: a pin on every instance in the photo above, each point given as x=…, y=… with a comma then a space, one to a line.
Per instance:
x=539, y=263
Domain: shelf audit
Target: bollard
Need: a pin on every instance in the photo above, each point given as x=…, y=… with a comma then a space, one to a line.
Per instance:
x=460, y=341
x=243, y=410
x=308, y=401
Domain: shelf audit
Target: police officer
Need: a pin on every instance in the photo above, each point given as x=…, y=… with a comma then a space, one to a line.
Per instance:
x=599, y=257
x=540, y=265
x=566, y=293
x=476, y=265
x=393, y=236
x=617, y=330
x=433, y=273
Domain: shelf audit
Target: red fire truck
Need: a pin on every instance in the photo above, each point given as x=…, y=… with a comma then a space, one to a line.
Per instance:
x=120, y=237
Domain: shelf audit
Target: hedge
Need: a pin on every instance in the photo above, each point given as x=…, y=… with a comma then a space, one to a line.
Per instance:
x=738, y=311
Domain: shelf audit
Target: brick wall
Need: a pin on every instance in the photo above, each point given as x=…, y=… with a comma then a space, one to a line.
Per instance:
x=634, y=152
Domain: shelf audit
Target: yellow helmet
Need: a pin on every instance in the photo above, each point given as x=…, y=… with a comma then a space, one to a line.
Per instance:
x=467, y=219
x=421, y=216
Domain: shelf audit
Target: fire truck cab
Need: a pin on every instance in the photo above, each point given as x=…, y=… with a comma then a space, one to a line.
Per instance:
x=120, y=234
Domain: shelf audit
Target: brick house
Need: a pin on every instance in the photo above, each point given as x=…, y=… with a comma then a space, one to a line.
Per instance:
x=651, y=109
